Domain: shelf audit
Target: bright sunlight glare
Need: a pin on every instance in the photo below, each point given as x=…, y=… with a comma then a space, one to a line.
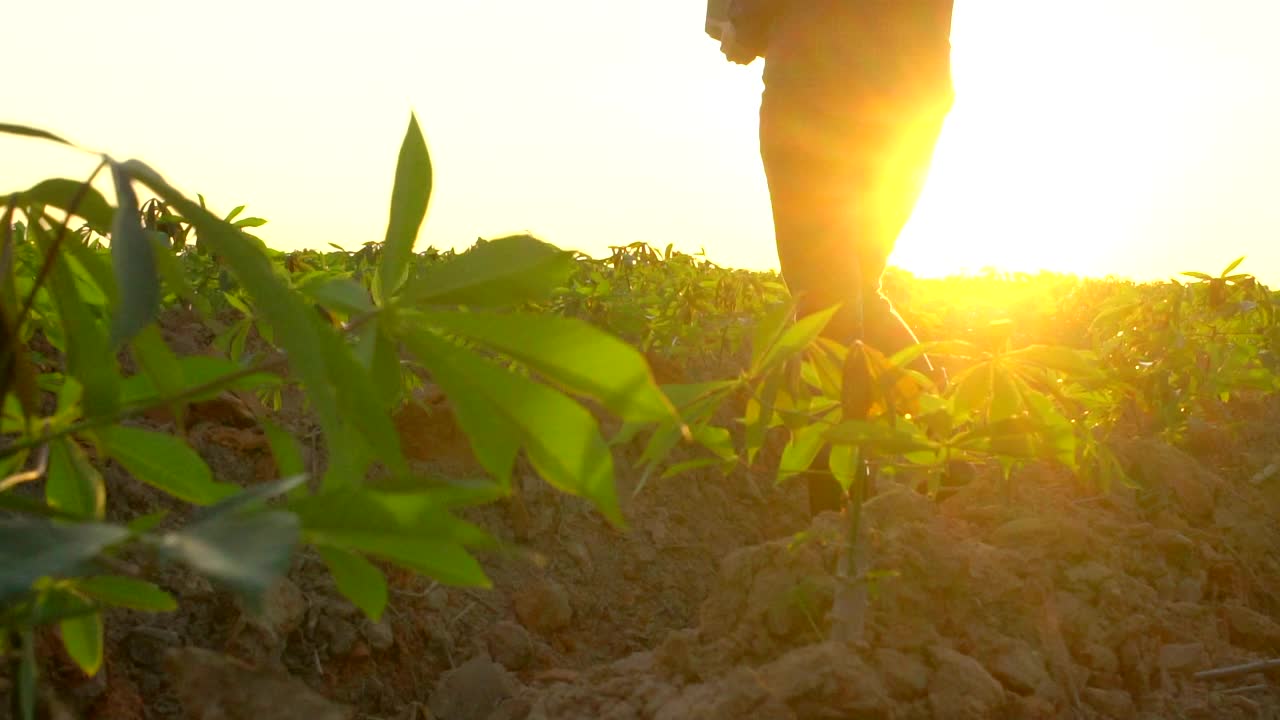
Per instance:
x=1127, y=137
x=1097, y=138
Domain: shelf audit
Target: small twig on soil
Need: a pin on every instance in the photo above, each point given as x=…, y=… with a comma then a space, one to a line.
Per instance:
x=1237, y=670
x=1248, y=689
x=407, y=593
x=1090, y=500
x=465, y=610
x=35, y=473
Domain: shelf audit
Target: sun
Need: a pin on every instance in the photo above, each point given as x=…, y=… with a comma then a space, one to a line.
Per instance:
x=1049, y=159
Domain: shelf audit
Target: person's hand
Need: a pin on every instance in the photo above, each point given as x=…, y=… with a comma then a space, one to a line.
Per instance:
x=733, y=52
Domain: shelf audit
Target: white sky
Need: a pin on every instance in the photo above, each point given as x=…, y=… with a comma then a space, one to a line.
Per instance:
x=1134, y=137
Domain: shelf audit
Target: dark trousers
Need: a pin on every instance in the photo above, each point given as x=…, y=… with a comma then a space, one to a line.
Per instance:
x=843, y=184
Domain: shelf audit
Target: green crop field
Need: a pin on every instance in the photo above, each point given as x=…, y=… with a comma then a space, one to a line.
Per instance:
x=608, y=378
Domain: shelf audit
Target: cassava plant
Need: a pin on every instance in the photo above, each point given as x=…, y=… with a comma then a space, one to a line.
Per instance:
x=79, y=305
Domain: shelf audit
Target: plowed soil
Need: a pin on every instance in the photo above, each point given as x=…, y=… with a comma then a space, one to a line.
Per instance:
x=1047, y=601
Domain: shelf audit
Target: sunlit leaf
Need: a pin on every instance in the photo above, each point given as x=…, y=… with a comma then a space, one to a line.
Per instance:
x=880, y=438
x=409, y=198
x=1232, y=266
x=844, y=461
x=1073, y=363
x=24, y=130
x=1006, y=396
x=499, y=272
x=759, y=415
x=942, y=348
x=872, y=386
x=413, y=530
x=972, y=389
x=568, y=352
x=501, y=411
x=82, y=637
x=795, y=338
x=768, y=329
x=801, y=450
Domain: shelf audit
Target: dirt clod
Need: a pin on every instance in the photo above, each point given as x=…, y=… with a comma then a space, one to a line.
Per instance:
x=543, y=606
x=509, y=645
x=472, y=691
x=214, y=687
x=961, y=689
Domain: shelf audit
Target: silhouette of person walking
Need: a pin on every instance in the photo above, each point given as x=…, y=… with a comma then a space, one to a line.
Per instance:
x=856, y=93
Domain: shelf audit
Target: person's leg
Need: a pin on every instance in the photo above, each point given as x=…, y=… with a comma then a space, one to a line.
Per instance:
x=841, y=193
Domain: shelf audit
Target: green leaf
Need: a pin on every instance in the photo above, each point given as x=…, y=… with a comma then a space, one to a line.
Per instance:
x=60, y=193
x=126, y=592
x=795, y=339
x=1006, y=395
x=1233, y=266
x=943, y=348
x=568, y=352
x=27, y=670
x=759, y=415
x=1198, y=275
x=500, y=272
x=88, y=352
x=342, y=294
x=447, y=562
x=363, y=411
x=31, y=549
x=243, y=552
x=844, y=463
x=769, y=329
x=1075, y=364
x=414, y=530
x=497, y=409
x=285, y=449
x=881, y=439
x=973, y=388
x=73, y=485
x=158, y=362
x=298, y=328
x=196, y=370
x=133, y=258
x=681, y=468
x=164, y=462
x=250, y=498
x=26, y=131
x=801, y=450
x=82, y=636
x=409, y=199
x=171, y=271
x=358, y=579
